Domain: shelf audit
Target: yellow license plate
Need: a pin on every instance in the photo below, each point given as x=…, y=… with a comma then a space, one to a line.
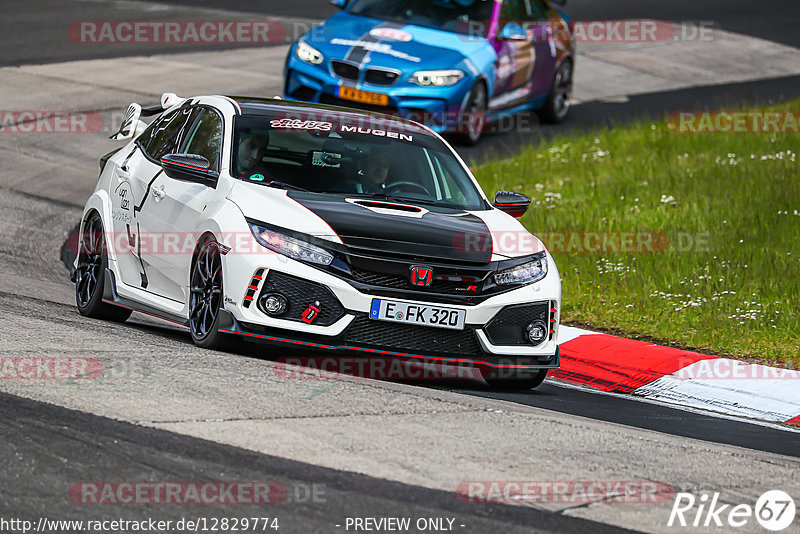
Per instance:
x=365, y=97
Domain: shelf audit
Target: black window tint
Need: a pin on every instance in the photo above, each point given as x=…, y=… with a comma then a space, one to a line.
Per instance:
x=167, y=135
x=515, y=10
x=539, y=10
x=205, y=137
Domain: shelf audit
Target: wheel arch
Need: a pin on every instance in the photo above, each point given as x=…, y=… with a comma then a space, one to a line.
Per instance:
x=99, y=203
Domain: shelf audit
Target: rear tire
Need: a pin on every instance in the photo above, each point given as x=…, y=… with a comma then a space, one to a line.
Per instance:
x=517, y=384
x=205, y=296
x=557, y=105
x=90, y=275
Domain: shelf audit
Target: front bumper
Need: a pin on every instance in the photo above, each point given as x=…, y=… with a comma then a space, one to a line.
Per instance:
x=437, y=107
x=488, y=340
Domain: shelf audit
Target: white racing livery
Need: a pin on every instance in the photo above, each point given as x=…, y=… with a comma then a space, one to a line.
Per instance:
x=318, y=227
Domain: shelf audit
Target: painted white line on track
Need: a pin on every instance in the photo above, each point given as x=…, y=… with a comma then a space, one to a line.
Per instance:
x=673, y=405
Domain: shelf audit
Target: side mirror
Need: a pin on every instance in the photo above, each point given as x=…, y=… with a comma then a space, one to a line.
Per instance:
x=189, y=168
x=515, y=204
x=512, y=32
x=341, y=4
x=559, y=3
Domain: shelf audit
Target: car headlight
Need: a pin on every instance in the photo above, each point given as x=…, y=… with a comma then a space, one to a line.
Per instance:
x=523, y=274
x=437, y=78
x=308, y=53
x=289, y=246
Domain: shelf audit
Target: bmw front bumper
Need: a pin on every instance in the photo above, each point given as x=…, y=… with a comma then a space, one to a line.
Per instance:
x=437, y=107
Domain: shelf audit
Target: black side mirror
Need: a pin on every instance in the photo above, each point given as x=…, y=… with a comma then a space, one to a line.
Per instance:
x=515, y=204
x=189, y=168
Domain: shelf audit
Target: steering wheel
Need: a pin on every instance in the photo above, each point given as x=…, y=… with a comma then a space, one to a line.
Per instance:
x=390, y=189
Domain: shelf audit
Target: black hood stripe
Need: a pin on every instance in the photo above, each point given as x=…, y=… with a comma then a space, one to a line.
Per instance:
x=359, y=54
x=442, y=233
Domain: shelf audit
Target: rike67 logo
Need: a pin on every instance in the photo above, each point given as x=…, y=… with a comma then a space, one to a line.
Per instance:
x=774, y=510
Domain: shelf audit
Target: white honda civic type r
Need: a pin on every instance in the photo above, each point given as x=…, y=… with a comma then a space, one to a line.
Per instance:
x=320, y=227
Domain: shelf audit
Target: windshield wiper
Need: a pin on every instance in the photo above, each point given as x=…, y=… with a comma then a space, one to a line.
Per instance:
x=412, y=200
x=283, y=185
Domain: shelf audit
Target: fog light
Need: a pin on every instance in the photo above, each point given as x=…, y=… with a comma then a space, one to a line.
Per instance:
x=536, y=332
x=274, y=304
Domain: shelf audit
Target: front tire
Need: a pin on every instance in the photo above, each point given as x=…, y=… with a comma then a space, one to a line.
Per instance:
x=517, y=383
x=90, y=274
x=472, y=122
x=557, y=105
x=205, y=297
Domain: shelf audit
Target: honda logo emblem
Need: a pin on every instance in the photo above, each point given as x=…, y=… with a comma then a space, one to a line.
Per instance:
x=421, y=276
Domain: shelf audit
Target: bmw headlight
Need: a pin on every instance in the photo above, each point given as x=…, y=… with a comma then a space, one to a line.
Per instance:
x=308, y=53
x=289, y=246
x=523, y=274
x=437, y=78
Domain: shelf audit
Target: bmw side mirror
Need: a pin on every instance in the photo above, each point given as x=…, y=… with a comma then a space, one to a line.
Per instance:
x=515, y=204
x=513, y=32
x=189, y=168
x=341, y=4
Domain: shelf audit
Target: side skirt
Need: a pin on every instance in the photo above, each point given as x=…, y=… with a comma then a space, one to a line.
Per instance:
x=111, y=296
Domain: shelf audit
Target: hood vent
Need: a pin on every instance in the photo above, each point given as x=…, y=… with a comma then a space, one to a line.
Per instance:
x=388, y=206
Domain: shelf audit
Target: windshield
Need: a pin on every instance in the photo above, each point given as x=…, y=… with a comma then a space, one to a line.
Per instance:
x=447, y=15
x=351, y=155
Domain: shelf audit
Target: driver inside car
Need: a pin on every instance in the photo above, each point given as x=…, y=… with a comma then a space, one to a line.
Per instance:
x=372, y=175
x=251, y=150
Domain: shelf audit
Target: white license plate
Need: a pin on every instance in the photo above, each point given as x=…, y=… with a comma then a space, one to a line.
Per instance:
x=418, y=314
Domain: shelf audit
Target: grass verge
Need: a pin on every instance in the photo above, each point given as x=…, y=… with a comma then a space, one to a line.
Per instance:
x=688, y=238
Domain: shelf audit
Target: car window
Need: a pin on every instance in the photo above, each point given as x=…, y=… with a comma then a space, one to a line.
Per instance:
x=539, y=10
x=516, y=10
x=165, y=136
x=449, y=183
x=204, y=137
x=446, y=15
x=339, y=156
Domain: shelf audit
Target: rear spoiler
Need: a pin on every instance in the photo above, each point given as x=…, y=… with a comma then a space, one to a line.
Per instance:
x=132, y=126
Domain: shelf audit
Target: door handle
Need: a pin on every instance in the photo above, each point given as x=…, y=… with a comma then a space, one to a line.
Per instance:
x=158, y=193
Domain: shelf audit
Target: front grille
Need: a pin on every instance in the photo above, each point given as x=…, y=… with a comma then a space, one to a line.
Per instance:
x=345, y=70
x=380, y=279
x=420, y=339
x=508, y=326
x=380, y=76
x=301, y=294
x=392, y=281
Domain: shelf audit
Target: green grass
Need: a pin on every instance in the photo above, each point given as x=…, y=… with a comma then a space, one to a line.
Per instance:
x=736, y=293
